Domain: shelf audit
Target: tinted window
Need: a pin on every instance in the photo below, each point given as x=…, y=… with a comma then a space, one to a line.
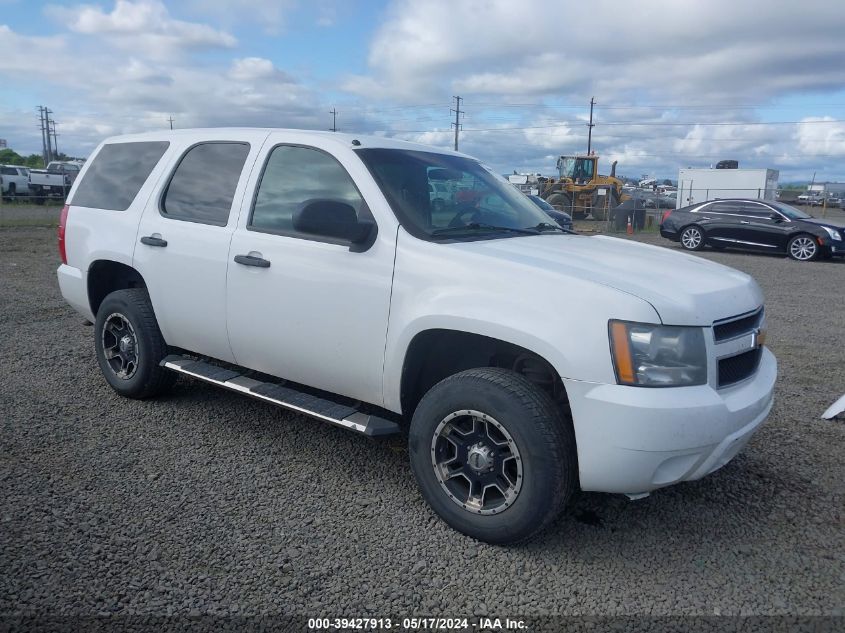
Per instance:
x=203, y=186
x=481, y=202
x=292, y=176
x=757, y=210
x=116, y=175
x=9, y=171
x=723, y=207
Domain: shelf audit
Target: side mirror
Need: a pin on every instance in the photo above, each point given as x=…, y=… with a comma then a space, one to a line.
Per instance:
x=332, y=218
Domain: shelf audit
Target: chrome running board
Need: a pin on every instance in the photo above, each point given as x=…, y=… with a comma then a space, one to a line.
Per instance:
x=335, y=413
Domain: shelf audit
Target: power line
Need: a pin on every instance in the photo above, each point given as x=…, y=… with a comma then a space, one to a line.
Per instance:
x=631, y=123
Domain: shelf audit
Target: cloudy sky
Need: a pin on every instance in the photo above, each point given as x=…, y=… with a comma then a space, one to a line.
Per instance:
x=678, y=82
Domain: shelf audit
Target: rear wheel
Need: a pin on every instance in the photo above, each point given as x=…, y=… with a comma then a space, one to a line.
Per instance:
x=492, y=454
x=803, y=248
x=692, y=238
x=560, y=201
x=10, y=194
x=130, y=346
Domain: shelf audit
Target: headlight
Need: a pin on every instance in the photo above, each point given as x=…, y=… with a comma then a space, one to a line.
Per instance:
x=647, y=355
x=834, y=234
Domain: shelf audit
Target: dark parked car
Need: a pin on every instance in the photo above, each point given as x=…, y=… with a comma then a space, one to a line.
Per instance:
x=757, y=225
x=563, y=219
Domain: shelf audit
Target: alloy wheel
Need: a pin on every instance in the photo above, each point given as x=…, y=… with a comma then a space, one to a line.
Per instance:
x=476, y=462
x=691, y=238
x=120, y=345
x=802, y=248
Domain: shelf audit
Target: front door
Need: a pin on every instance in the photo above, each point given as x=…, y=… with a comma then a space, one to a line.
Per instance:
x=763, y=228
x=302, y=307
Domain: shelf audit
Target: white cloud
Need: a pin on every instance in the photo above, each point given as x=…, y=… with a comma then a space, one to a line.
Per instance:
x=684, y=49
x=826, y=139
x=271, y=15
x=144, y=25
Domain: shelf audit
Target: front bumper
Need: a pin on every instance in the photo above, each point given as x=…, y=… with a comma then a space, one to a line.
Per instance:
x=835, y=248
x=633, y=439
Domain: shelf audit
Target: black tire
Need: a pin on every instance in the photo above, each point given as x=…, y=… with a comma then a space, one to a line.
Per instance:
x=692, y=237
x=132, y=310
x=544, y=447
x=803, y=248
x=11, y=192
x=562, y=200
x=597, y=206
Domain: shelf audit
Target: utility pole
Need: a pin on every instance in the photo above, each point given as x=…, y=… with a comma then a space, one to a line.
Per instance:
x=47, y=113
x=333, y=112
x=52, y=130
x=457, y=124
x=590, y=126
x=170, y=120
x=43, y=134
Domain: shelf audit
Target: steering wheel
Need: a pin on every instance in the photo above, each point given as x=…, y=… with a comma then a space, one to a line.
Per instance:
x=465, y=209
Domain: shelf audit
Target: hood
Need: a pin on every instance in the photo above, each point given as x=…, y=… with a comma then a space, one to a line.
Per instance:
x=820, y=222
x=683, y=289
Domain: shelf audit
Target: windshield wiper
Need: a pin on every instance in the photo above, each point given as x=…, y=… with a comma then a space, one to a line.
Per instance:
x=548, y=226
x=481, y=226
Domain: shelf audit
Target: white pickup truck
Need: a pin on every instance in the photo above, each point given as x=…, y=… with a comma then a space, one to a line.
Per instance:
x=14, y=181
x=313, y=272
x=56, y=180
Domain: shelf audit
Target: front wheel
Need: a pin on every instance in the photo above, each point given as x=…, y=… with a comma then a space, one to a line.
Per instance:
x=492, y=454
x=130, y=346
x=803, y=248
x=692, y=238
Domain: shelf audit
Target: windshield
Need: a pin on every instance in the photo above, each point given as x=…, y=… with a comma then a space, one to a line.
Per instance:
x=791, y=212
x=430, y=193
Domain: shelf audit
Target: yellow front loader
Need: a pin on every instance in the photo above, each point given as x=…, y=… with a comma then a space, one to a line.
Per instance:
x=581, y=191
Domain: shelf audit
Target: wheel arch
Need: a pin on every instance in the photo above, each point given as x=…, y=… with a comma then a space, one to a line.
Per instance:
x=436, y=353
x=105, y=276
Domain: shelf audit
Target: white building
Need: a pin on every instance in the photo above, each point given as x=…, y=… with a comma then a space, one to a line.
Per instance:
x=701, y=185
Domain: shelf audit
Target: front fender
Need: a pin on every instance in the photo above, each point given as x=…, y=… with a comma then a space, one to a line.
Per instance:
x=454, y=287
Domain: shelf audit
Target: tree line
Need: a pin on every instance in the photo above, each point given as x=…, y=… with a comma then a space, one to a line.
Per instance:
x=33, y=161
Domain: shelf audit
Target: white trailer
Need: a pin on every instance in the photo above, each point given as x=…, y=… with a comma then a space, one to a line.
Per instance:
x=701, y=185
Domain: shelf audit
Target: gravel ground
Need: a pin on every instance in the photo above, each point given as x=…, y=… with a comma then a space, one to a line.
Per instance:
x=207, y=502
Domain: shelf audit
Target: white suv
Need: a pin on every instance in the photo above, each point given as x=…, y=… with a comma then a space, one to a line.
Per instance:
x=312, y=270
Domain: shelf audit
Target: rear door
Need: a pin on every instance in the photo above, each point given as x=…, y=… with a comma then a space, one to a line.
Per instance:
x=721, y=221
x=183, y=239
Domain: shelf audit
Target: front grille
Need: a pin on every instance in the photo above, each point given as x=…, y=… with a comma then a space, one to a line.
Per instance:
x=739, y=367
x=731, y=329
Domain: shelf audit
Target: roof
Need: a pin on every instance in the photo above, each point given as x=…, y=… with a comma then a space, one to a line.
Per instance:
x=342, y=138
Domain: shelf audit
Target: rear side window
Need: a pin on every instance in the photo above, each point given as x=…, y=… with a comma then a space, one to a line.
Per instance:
x=9, y=171
x=203, y=186
x=116, y=175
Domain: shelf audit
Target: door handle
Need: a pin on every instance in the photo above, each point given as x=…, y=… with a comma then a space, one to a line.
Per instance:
x=149, y=240
x=249, y=260
x=744, y=222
